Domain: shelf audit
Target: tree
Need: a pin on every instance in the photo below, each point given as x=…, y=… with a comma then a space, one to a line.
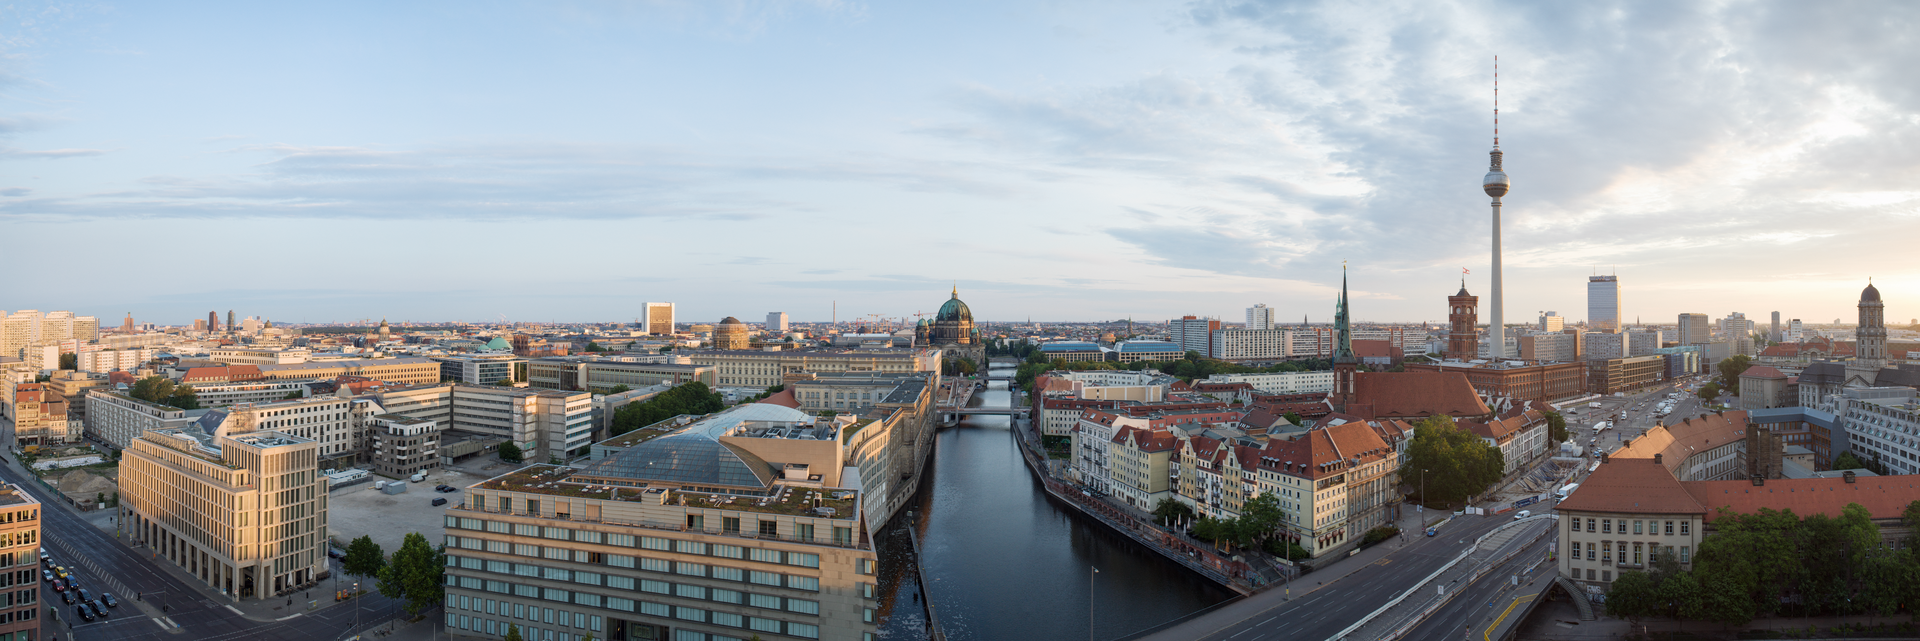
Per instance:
x=1730, y=370
x=595, y=347
x=1708, y=392
x=1557, y=427
x=688, y=398
x=152, y=389
x=415, y=574
x=292, y=395
x=1631, y=596
x=1457, y=464
x=1260, y=516
x=1169, y=510
x=1294, y=419
x=364, y=558
x=619, y=389
x=505, y=381
x=184, y=398
x=513, y=633
x=511, y=453
x=69, y=361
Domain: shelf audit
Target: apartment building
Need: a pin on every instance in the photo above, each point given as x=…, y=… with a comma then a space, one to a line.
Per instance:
x=403, y=445
x=40, y=417
x=1059, y=414
x=19, y=564
x=600, y=375
x=1193, y=333
x=117, y=418
x=1521, y=437
x=1712, y=447
x=1213, y=476
x=1253, y=344
x=1147, y=351
x=748, y=368
x=108, y=360
x=244, y=512
x=1334, y=483
x=405, y=371
x=1883, y=428
x=73, y=386
x=543, y=423
x=691, y=535
x=1281, y=383
x=1141, y=466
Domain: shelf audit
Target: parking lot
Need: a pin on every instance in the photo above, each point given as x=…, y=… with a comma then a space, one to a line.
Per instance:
x=362, y=510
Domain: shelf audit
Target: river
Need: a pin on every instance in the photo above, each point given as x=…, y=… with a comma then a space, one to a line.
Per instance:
x=1005, y=562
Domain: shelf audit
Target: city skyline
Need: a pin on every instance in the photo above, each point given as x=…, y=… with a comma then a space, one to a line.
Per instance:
x=1072, y=161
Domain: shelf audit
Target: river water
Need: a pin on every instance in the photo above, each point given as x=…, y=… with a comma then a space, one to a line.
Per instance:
x=1003, y=561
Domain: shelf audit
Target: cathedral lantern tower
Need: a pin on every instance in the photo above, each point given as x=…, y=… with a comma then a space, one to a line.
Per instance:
x=1871, y=335
x=1463, y=342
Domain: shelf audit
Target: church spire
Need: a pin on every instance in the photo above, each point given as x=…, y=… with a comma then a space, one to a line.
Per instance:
x=1343, y=323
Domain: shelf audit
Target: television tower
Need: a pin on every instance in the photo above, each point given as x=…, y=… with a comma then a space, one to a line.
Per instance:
x=1496, y=185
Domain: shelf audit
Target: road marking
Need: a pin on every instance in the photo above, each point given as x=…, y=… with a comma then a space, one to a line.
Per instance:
x=290, y=616
x=235, y=610
x=1488, y=634
x=1383, y=561
x=158, y=622
x=1236, y=635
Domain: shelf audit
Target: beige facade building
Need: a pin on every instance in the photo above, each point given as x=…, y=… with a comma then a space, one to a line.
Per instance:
x=405, y=371
x=325, y=420
x=94, y=358
x=245, y=512
x=1609, y=375
x=73, y=386
x=40, y=417
x=118, y=419
x=600, y=375
x=543, y=423
x=261, y=355
x=731, y=334
x=744, y=368
x=19, y=541
x=1334, y=482
x=737, y=525
x=658, y=319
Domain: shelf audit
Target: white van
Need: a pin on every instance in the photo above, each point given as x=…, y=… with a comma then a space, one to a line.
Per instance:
x=1522, y=514
x=419, y=476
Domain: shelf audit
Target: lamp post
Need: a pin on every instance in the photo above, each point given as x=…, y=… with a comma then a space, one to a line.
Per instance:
x=1090, y=601
x=1423, y=500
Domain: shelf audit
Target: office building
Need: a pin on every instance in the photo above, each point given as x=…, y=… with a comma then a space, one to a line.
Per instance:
x=230, y=324
x=478, y=369
x=1603, y=345
x=402, y=446
x=1736, y=326
x=242, y=511
x=1641, y=342
x=86, y=329
x=213, y=395
x=1880, y=425
x=1773, y=332
x=1620, y=374
x=1557, y=347
x=20, y=525
x=1260, y=316
x=213, y=322
x=543, y=423
x=1603, y=303
x=1694, y=329
x=750, y=368
x=88, y=359
x=323, y=420
x=687, y=534
x=1192, y=333
x=657, y=318
x=117, y=418
x=1795, y=332
x=601, y=375
x=857, y=392
x=243, y=355
x=731, y=334
x=405, y=371
x=1552, y=322
x=1259, y=344
x=1525, y=381
x=776, y=322
x=1765, y=387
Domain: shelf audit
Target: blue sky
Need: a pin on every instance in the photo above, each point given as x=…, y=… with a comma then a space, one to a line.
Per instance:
x=1060, y=160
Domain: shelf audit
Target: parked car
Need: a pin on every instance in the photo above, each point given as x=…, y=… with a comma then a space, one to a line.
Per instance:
x=85, y=595
x=336, y=553
x=47, y=575
x=67, y=596
x=440, y=501
x=98, y=610
x=109, y=600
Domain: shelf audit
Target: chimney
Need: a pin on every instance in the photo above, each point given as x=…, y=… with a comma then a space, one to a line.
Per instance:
x=1656, y=458
x=1759, y=480
x=1848, y=475
x=1603, y=457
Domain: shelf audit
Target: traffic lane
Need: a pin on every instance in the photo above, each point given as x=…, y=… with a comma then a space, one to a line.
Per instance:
x=1470, y=606
x=1329, y=610
x=82, y=538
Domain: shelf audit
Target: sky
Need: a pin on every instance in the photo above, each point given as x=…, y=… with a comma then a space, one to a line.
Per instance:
x=1059, y=160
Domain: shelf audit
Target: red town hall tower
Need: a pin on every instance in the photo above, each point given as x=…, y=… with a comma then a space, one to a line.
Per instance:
x=1463, y=343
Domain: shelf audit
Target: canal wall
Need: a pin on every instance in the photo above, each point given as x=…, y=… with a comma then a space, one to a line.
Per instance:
x=926, y=588
x=1168, y=544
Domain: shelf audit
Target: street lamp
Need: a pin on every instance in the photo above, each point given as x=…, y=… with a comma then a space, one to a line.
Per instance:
x=1423, y=500
x=1090, y=601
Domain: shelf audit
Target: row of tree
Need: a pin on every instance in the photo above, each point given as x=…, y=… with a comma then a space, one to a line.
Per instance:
x=689, y=398
x=161, y=390
x=1260, y=517
x=416, y=572
x=1778, y=563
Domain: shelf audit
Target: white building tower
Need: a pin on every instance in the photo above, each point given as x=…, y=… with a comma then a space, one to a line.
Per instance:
x=1496, y=185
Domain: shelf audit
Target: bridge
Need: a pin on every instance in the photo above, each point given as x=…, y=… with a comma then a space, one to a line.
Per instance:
x=1017, y=412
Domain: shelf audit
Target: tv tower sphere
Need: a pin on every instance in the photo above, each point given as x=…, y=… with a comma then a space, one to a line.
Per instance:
x=1496, y=181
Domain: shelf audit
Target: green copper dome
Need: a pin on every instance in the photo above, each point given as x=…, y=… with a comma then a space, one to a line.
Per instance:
x=955, y=310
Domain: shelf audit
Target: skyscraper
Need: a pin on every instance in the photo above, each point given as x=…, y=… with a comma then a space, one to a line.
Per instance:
x=1495, y=184
x=1694, y=329
x=1603, y=303
x=1194, y=334
x=657, y=318
x=213, y=322
x=230, y=321
x=1260, y=316
x=776, y=322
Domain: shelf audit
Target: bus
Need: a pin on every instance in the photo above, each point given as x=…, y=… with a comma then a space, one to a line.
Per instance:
x=1565, y=491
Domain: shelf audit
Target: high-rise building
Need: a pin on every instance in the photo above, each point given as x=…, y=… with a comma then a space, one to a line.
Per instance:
x=1463, y=341
x=1603, y=303
x=18, y=330
x=1260, y=316
x=1641, y=342
x=657, y=318
x=1871, y=335
x=230, y=326
x=776, y=322
x=1552, y=322
x=213, y=321
x=1794, y=333
x=243, y=511
x=1694, y=329
x=127, y=325
x=1773, y=333
x=1194, y=334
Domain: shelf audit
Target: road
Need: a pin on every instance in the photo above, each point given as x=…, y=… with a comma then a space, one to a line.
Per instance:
x=166, y=607
x=1638, y=409
x=1471, y=614
x=1324, y=612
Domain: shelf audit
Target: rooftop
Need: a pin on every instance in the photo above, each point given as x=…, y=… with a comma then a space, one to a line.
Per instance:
x=1634, y=486
x=559, y=481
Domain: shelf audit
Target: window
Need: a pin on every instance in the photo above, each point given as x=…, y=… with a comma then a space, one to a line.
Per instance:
x=588, y=578
x=617, y=581
x=620, y=560
x=1606, y=553
x=765, y=578
x=1636, y=526
x=843, y=536
x=696, y=522
x=1576, y=549
x=653, y=543
x=728, y=551
x=1606, y=526
x=764, y=556
x=1590, y=552
x=1606, y=575
x=690, y=569
x=803, y=606
x=803, y=630
x=725, y=596
x=1683, y=527
x=769, y=528
x=1683, y=553
x=730, y=524
x=803, y=531
x=1669, y=528
x=763, y=601
x=726, y=619
x=690, y=614
x=803, y=560
x=622, y=540
x=690, y=547
x=1589, y=574
x=1590, y=526
x=803, y=583
x=689, y=591
x=656, y=587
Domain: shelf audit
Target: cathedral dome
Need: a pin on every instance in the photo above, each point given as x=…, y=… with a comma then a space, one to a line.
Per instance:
x=955, y=310
x=731, y=321
x=1868, y=295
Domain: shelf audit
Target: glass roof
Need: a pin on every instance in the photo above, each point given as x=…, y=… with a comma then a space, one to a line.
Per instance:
x=695, y=455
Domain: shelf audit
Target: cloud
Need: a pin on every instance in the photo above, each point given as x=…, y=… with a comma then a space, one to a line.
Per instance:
x=15, y=192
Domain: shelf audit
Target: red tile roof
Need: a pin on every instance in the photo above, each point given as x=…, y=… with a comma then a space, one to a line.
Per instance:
x=1148, y=440
x=117, y=377
x=1762, y=371
x=783, y=398
x=1374, y=349
x=1680, y=440
x=1415, y=395
x=1633, y=486
x=1883, y=496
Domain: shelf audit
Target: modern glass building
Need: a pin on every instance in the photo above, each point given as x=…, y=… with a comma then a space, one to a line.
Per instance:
x=1603, y=303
